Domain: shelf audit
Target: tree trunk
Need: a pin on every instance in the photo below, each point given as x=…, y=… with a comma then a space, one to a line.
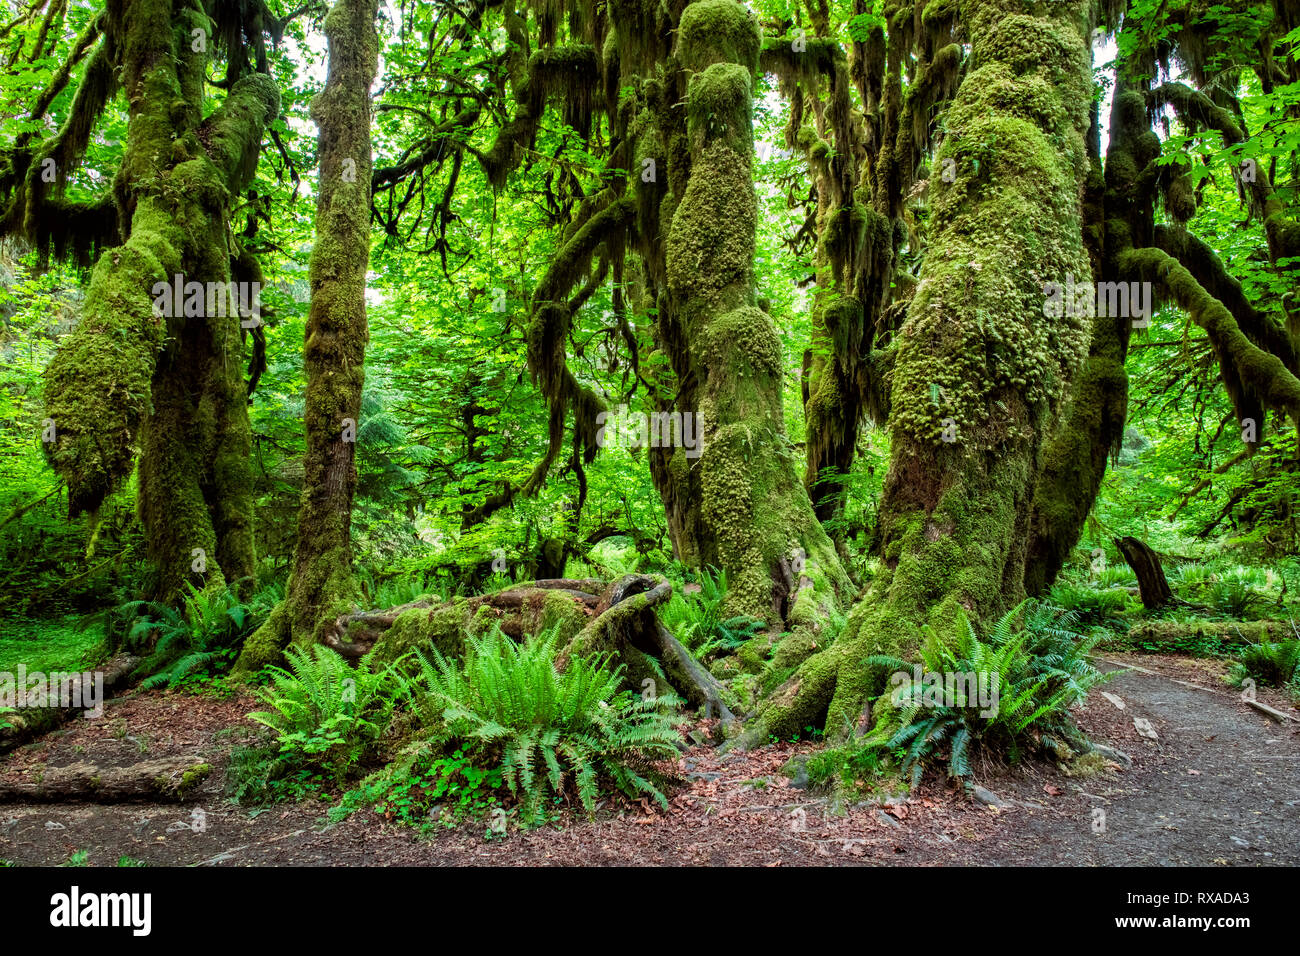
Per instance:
x=136, y=369
x=981, y=364
x=322, y=585
x=1145, y=563
x=1091, y=427
x=740, y=505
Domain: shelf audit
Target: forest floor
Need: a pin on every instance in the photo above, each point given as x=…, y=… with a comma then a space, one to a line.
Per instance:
x=1217, y=784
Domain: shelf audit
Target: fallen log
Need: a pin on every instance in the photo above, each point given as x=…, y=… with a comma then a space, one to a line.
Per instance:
x=355, y=634
x=28, y=722
x=1271, y=712
x=591, y=617
x=162, y=780
x=1235, y=633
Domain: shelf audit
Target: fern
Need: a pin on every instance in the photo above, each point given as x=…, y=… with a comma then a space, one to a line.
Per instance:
x=201, y=638
x=548, y=731
x=325, y=712
x=697, y=620
x=1273, y=664
x=1039, y=664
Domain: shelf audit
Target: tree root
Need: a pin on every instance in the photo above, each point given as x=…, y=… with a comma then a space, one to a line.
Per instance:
x=831, y=689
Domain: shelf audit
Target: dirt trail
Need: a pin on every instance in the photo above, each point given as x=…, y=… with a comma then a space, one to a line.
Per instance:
x=1218, y=784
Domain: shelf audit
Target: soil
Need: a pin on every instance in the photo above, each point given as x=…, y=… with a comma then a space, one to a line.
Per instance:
x=1212, y=782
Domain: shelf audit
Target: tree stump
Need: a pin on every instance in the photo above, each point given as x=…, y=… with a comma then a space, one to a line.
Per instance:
x=1152, y=586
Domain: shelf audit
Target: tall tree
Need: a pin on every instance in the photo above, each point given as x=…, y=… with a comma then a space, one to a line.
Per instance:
x=154, y=367
x=742, y=506
x=980, y=368
x=322, y=586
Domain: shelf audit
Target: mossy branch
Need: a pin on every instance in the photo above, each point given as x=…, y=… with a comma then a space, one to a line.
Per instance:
x=548, y=335
x=1261, y=372
x=98, y=385
x=1208, y=269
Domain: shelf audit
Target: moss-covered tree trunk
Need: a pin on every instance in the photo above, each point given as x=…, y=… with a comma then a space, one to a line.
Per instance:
x=322, y=585
x=740, y=505
x=147, y=372
x=981, y=364
x=1091, y=425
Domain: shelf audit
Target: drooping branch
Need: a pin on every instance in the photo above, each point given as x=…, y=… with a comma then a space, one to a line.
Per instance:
x=548, y=335
x=1261, y=373
x=1210, y=273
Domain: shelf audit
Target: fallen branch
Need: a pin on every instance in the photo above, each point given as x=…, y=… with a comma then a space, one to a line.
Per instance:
x=31, y=722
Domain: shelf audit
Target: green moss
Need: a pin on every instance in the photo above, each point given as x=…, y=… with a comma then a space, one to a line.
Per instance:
x=753, y=654
x=421, y=629
x=711, y=239
x=976, y=352
x=612, y=636
x=1171, y=634
x=563, y=614
x=719, y=101
x=189, y=778
x=718, y=31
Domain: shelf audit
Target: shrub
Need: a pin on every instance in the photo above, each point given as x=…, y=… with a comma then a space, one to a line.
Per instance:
x=400, y=589
x=411, y=788
x=509, y=708
x=202, y=638
x=1116, y=576
x=327, y=714
x=1232, y=593
x=1274, y=664
x=1033, y=656
x=1091, y=606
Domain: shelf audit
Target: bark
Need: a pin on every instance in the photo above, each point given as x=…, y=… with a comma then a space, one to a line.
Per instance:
x=322, y=585
x=981, y=366
x=167, y=779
